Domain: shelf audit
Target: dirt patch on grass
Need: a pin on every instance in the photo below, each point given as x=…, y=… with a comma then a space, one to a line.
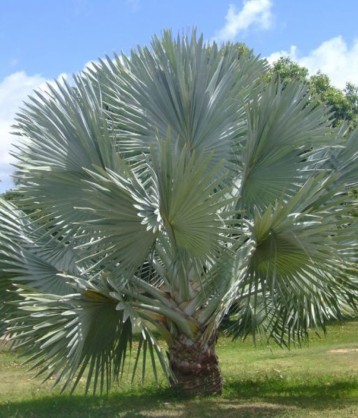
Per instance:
x=344, y=350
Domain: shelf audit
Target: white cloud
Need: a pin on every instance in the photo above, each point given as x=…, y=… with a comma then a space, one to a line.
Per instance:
x=14, y=89
x=275, y=56
x=253, y=13
x=333, y=57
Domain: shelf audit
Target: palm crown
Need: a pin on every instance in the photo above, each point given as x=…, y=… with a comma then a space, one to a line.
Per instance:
x=162, y=190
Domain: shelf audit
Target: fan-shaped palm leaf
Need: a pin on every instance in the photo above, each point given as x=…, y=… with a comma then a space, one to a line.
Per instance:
x=162, y=189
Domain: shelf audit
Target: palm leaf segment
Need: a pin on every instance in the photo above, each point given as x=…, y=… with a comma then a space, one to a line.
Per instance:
x=168, y=186
x=296, y=175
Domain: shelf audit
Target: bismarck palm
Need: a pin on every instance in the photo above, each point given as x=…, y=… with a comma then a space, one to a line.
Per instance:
x=159, y=193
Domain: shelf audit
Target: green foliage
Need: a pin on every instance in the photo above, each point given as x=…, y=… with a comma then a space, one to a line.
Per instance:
x=342, y=104
x=287, y=70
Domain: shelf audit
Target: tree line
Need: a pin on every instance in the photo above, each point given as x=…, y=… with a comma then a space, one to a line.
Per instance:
x=342, y=103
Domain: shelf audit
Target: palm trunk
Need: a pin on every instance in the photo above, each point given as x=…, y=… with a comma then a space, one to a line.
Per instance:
x=195, y=367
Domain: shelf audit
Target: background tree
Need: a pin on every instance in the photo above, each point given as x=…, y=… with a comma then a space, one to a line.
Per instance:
x=342, y=104
x=351, y=93
x=287, y=71
x=168, y=187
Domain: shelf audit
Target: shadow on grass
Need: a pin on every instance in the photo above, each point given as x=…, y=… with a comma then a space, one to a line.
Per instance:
x=313, y=394
x=268, y=398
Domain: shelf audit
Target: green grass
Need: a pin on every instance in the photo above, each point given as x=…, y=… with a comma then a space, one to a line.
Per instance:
x=316, y=380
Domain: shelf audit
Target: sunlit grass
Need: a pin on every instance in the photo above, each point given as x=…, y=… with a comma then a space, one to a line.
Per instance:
x=320, y=379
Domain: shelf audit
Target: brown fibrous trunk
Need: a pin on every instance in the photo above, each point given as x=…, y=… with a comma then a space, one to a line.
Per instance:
x=195, y=367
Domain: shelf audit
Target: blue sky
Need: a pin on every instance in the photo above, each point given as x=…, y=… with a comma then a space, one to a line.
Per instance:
x=41, y=40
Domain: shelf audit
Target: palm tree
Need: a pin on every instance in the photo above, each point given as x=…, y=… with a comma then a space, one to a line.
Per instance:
x=162, y=192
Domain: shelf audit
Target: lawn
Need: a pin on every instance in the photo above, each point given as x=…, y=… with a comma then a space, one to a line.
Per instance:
x=319, y=379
